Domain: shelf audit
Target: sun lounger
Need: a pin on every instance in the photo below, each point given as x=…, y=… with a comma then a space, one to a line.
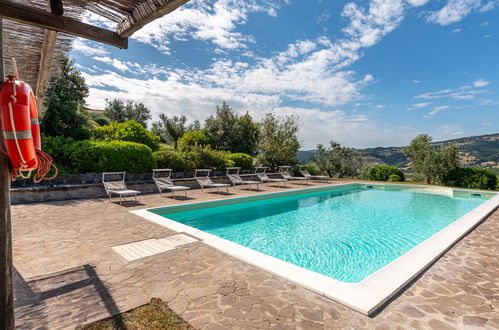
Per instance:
x=114, y=183
x=162, y=179
x=234, y=177
x=203, y=179
x=283, y=171
x=263, y=177
x=306, y=174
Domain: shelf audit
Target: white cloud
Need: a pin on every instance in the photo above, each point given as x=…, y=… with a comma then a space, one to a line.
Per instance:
x=417, y=3
x=419, y=106
x=454, y=11
x=88, y=48
x=456, y=30
x=450, y=131
x=416, y=81
x=488, y=6
x=436, y=110
x=212, y=21
x=481, y=83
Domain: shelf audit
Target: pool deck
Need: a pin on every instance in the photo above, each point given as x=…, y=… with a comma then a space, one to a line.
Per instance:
x=67, y=275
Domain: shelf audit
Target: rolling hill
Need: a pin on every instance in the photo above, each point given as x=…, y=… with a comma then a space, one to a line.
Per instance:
x=478, y=151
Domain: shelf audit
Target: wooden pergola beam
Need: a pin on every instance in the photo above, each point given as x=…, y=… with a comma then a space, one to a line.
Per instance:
x=47, y=54
x=37, y=17
x=146, y=12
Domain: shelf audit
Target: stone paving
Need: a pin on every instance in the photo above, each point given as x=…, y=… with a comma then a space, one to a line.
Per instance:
x=67, y=275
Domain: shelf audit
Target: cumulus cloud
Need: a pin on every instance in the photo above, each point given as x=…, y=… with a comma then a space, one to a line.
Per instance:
x=211, y=21
x=88, y=48
x=481, y=83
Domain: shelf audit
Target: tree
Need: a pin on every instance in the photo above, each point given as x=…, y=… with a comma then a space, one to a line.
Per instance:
x=120, y=112
x=338, y=161
x=193, y=139
x=170, y=129
x=430, y=164
x=65, y=115
x=230, y=132
x=278, y=143
x=220, y=126
x=129, y=131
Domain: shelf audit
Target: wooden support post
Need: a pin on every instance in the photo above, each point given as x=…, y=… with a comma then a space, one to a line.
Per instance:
x=6, y=281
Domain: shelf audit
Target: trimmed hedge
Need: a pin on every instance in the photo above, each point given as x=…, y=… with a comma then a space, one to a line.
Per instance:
x=110, y=156
x=170, y=159
x=193, y=139
x=207, y=158
x=244, y=161
x=385, y=173
x=472, y=177
x=128, y=131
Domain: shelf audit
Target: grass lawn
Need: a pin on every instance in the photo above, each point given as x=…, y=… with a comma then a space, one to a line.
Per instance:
x=155, y=315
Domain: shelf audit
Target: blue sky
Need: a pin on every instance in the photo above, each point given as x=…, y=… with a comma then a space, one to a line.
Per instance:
x=365, y=73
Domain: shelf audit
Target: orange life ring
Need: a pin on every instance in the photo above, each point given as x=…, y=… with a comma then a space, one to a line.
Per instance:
x=17, y=110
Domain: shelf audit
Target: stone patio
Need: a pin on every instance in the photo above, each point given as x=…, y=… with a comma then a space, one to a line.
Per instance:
x=67, y=275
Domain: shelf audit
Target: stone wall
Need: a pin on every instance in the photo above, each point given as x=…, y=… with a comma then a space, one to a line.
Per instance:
x=77, y=186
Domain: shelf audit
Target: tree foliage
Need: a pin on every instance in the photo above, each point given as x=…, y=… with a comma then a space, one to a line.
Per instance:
x=338, y=161
x=117, y=110
x=430, y=164
x=129, y=131
x=193, y=139
x=278, y=142
x=65, y=114
x=231, y=132
x=171, y=129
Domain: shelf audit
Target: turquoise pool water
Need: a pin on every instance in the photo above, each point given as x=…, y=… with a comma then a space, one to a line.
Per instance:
x=346, y=234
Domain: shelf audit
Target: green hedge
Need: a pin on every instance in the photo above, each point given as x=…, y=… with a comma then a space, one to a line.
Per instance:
x=109, y=156
x=471, y=177
x=193, y=139
x=170, y=159
x=207, y=158
x=385, y=173
x=244, y=161
x=128, y=131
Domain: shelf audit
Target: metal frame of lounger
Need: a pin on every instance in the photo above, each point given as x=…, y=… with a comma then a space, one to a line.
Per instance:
x=166, y=182
x=283, y=171
x=118, y=187
x=205, y=181
x=263, y=177
x=235, y=178
x=305, y=173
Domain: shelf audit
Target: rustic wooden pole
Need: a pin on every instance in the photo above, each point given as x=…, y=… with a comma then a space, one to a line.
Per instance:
x=6, y=283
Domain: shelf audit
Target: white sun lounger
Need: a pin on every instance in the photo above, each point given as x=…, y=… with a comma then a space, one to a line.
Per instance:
x=283, y=171
x=236, y=179
x=263, y=177
x=165, y=182
x=306, y=174
x=117, y=187
x=205, y=182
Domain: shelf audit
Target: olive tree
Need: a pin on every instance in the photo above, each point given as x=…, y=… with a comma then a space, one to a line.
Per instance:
x=338, y=161
x=278, y=143
x=431, y=164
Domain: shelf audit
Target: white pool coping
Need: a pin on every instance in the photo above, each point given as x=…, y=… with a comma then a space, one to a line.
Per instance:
x=367, y=295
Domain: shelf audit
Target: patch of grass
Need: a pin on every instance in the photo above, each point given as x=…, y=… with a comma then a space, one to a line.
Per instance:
x=155, y=315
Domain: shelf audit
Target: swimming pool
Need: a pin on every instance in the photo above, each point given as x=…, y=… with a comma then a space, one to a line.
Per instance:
x=334, y=234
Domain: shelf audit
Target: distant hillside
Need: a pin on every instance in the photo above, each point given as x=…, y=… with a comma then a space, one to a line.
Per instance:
x=479, y=151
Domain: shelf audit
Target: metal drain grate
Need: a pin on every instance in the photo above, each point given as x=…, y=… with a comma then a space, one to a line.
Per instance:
x=149, y=247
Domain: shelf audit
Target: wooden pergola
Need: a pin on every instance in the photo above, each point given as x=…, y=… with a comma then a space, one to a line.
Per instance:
x=34, y=33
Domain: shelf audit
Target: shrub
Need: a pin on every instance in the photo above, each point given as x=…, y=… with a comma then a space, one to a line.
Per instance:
x=108, y=156
x=394, y=178
x=474, y=178
x=384, y=172
x=170, y=159
x=207, y=158
x=192, y=140
x=313, y=169
x=244, y=161
x=57, y=147
x=128, y=131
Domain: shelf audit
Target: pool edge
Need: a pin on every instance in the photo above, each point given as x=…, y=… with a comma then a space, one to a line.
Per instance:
x=367, y=295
